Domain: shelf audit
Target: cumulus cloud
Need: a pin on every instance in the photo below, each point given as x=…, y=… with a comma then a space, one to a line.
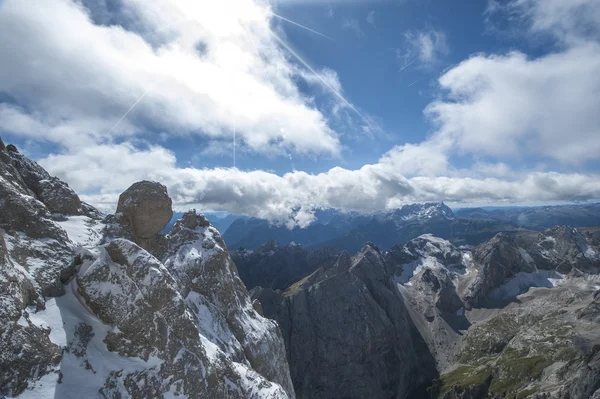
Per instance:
x=72, y=69
x=514, y=106
x=290, y=199
x=426, y=46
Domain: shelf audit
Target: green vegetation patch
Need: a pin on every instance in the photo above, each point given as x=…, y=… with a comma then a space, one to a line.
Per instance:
x=463, y=377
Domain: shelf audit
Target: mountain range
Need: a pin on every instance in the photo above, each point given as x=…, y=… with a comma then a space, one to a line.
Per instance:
x=107, y=306
x=349, y=231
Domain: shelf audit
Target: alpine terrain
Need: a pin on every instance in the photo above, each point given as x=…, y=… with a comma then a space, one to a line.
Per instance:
x=96, y=306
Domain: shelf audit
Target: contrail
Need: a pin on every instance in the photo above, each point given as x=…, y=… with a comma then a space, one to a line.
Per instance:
x=288, y=48
x=407, y=64
x=130, y=109
x=415, y=82
x=234, y=143
x=301, y=26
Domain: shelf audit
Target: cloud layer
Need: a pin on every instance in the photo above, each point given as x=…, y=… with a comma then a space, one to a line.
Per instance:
x=205, y=68
x=73, y=78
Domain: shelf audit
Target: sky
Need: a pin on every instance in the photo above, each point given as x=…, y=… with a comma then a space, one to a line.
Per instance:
x=276, y=108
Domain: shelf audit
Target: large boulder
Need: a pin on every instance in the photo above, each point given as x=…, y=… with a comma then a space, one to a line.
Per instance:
x=146, y=208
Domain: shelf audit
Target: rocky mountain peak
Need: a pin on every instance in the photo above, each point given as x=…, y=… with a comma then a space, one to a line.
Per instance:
x=88, y=312
x=146, y=208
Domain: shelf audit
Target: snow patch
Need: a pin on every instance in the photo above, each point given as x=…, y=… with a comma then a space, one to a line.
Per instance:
x=82, y=230
x=522, y=282
x=50, y=318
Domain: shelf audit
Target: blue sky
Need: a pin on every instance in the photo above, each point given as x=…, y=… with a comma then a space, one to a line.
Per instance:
x=470, y=102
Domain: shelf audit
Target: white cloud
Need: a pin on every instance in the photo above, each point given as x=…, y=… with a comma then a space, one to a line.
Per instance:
x=426, y=46
x=290, y=199
x=371, y=17
x=515, y=106
x=78, y=78
x=353, y=25
x=70, y=85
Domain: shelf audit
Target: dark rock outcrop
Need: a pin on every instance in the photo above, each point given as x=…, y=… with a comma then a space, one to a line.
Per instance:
x=348, y=334
x=278, y=267
x=146, y=208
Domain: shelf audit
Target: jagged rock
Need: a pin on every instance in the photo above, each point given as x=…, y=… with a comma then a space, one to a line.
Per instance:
x=2, y=146
x=54, y=193
x=208, y=279
x=59, y=197
x=124, y=326
x=268, y=300
x=12, y=148
x=592, y=311
x=278, y=267
x=349, y=335
x=561, y=249
x=500, y=258
x=132, y=291
x=36, y=243
x=146, y=208
x=25, y=349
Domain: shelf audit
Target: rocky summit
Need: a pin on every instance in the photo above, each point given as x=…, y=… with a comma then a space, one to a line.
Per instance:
x=104, y=306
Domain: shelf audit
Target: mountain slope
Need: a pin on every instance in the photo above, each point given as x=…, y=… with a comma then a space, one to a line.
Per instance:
x=107, y=307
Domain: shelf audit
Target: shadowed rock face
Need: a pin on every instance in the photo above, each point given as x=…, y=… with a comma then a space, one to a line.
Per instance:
x=146, y=208
x=348, y=335
x=278, y=267
x=53, y=192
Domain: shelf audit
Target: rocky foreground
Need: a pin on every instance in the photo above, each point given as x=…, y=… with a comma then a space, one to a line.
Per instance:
x=94, y=306
x=105, y=306
x=518, y=316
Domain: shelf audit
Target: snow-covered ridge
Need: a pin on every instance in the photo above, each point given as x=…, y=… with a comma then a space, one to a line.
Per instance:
x=87, y=312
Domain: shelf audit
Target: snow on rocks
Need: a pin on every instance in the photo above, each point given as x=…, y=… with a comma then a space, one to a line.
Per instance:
x=80, y=319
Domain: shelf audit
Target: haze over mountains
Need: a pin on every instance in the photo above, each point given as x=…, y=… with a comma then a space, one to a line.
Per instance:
x=349, y=231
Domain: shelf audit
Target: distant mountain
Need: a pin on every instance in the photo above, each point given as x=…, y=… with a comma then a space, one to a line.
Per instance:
x=276, y=267
x=539, y=218
x=349, y=231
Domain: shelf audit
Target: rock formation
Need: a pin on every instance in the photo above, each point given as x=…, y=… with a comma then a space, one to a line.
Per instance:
x=87, y=312
x=146, y=208
x=279, y=267
x=348, y=334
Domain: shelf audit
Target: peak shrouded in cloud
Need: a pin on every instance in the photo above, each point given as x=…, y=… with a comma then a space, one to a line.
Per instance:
x=72, y=72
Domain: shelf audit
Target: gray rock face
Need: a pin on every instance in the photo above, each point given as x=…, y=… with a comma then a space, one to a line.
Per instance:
x=132, y=291
x=146, y=207
x=349, y=336
x=34, y=241
x=58, y=197
x=54, y=193
x=24, y=347
x=126, y=325
x=559, y=250
x=500, y=259
x=278, y=267
x=197, y=257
